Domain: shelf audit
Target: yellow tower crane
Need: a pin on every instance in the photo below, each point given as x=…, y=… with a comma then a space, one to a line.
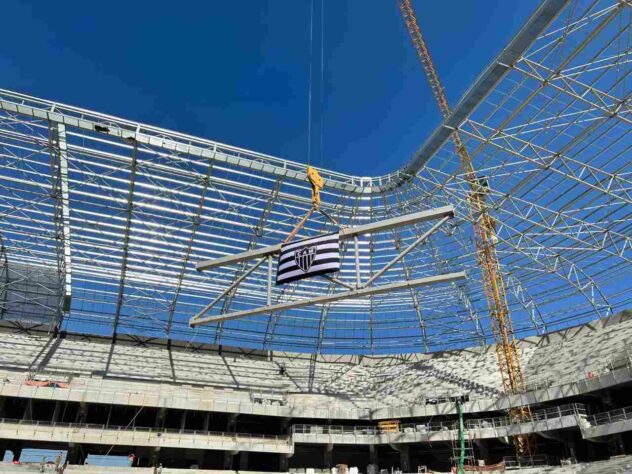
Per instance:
x=485, y=237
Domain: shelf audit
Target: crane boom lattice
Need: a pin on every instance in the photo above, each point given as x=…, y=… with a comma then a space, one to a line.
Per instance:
x=485, y=238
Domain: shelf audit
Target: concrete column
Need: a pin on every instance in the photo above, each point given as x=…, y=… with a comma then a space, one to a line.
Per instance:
x=569, y=444
x=373, y=455
x=606, y=398
x=207, y=421
x=154, y=456
x=228, y=459
x=201, y=459
x=75, y=454
x=28, y=410
x=329, y=451
x=243, y=461
x=231, y=425
x=284, y=458
x=82, y=413
x=183, y=420
x=404, y=458
x=55, y=416
x=283, y=462
x=160, y=418
x=285, y=423
x=107, y=421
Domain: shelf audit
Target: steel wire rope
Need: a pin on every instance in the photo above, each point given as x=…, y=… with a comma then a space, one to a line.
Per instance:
x=322, y=74
x=309, y=81
x=126, y=426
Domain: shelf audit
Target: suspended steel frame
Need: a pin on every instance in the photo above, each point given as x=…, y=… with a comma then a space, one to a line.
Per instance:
x=121, y=211
x=356, y=290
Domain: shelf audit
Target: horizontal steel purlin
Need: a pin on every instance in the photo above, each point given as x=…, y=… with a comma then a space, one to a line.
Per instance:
x=446, y=278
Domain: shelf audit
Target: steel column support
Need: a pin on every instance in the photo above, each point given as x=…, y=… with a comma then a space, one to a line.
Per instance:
x=371, y=302
x=230, y=290
x=195, y=223
x=397, y=241
x=60, y=195
x=356, y=252
x=4, y=278
x=126, y=236
x=269, y=282
x=257, y=232
x=322, y=321
x=462, y=295
x=421, y=239
x=324, y=312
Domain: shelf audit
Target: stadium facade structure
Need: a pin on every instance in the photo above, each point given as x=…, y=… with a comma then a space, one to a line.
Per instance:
x=103, y=220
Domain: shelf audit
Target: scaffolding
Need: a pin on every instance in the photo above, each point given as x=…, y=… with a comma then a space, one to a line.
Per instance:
x=462, y=446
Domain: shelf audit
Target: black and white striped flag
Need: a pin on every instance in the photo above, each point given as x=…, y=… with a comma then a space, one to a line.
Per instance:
x=310, y=257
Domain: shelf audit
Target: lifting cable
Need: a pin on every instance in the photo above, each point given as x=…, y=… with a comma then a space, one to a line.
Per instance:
x=126, y=426
x=309, y=91
x=322, y=77
x=313, y=177
x=321, y=85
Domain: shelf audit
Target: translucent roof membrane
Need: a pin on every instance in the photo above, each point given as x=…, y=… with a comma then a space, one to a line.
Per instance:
x=551, y=136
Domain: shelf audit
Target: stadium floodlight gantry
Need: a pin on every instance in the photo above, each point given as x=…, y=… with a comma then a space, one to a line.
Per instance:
x=103, y=219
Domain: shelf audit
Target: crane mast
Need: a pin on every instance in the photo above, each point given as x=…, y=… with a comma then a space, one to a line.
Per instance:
x=485, y=238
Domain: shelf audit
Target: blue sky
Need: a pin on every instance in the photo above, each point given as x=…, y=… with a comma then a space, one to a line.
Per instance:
x=238, y=72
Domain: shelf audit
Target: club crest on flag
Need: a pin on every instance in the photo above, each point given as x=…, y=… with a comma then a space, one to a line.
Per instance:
x=304, y=258
x=308, y=258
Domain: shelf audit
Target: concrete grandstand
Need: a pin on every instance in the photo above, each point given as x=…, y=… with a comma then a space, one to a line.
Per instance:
x=104, y=219
x=252, y=415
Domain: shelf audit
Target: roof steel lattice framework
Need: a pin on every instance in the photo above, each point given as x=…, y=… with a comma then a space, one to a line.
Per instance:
x=120, y=212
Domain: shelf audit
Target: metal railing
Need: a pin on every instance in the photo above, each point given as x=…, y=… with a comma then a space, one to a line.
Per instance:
x=138, y=429
x=532, y=461
x=426, y=427
x=539, y=415
x=611, y=416
x=575, y=409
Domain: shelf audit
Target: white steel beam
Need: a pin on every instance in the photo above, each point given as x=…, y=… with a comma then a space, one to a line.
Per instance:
x=324, y=299
x=195, y=223
x=348, y=233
